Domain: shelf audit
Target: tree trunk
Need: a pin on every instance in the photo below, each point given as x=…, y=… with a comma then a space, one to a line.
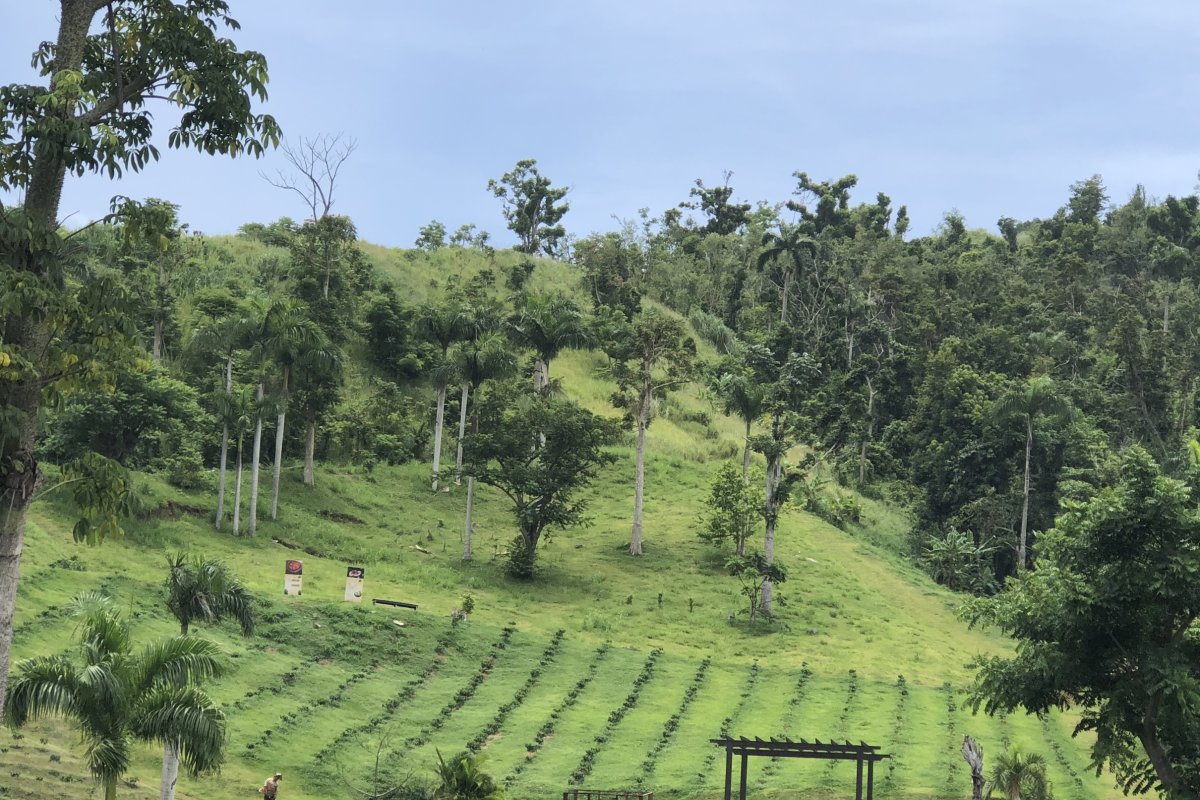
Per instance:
x=787, y=290
x=639, y=480
x=310, y=449
x=870, y=436
x=1157, y=754
x=774, y=475
x=462, y=430
x=156, y=347
x=469, y=529
x=224, y=446
x=110, y=787
x=283, y=398
x=438, y=424
x=746, y=457
x=221, y=475
x=170, y=771
x=541, y=375
x=973, y=754
x=255, y=455
x=237, y=491
x=1025, y=503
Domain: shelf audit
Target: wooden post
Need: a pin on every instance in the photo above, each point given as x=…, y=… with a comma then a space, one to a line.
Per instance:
x=728, y=773
x=858, y=780
x=871, y=779
x=742, y=785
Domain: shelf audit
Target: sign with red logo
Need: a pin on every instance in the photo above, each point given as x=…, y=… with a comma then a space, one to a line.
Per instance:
x=354, y=584
x=293, y=576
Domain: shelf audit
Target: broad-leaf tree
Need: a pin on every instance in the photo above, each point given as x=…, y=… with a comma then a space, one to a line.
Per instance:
x=1106, y=624
x=532, y=207
x=118, y=695
x=90, y=112
x=541, y=480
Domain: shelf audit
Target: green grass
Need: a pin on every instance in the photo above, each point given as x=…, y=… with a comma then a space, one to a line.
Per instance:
x=325, y=686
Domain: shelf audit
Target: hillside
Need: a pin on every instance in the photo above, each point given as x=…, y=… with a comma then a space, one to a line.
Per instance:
x=867, y=647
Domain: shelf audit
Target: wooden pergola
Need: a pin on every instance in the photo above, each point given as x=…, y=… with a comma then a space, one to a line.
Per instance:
x=861, y=753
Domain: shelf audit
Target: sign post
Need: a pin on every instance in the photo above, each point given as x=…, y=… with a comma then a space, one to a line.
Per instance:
x=354, y=584
x=293, y=576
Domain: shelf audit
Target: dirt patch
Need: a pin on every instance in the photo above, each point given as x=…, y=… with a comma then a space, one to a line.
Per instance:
x=271, y=650
x=339, y=516
x=325, y=662
x=173, y=510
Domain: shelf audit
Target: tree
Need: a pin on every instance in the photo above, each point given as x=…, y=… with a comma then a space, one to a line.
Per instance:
x=547, y=324
x=741, y=396
x=529, y=206
x=733, y=506
x=202, y=590
x=462, y=778
x=89, y=114
x=756, y=573
x=541, y=481
x=154, y=250
x=117, y=695
x=724, y=217
x=316, y=164
x=480, y=360
x=797, y=249
x=1106, y=624
x=1037, y=397
x=650, y=356
x=206, y=590
x=441, y=325
x=1020, y=776
x=431, y=237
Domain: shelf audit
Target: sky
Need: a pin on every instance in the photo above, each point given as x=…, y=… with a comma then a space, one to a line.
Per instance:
x=988, y=107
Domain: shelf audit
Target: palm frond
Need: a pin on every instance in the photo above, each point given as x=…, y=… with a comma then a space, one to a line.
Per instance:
x=186, y=717
x=178, y=661
x=41, y=687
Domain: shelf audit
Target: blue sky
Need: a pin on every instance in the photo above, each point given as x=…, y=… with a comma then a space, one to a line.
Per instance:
x=990, y=107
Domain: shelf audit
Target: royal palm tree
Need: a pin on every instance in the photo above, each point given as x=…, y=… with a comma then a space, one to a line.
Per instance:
x=1038, y=396
x=486, y=358
x=224, y=335
x=117, y=695
x=238, y=412
x=548, y=324
x=442, y=326
x=740, y=396
x=796, y=248
x=206, y=590
x=1020, y=776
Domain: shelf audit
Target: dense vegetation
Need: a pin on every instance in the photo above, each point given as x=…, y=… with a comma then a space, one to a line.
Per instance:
x=1028, y=397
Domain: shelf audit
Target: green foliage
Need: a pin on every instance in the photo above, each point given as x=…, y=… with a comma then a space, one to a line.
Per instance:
x=754, y=572
x=733, y=508
x=147, y=421
x=540, y=452
x=1104, y=624
x=1019, y=776
x=463, y=778
x=431, y=236
x=958, y=562
x=206, y=590
x=532, y=207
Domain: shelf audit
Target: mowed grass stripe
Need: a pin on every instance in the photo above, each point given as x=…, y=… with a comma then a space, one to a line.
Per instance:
x=578, y=725
x=821, y=718
x=262, y=719
x=619, y=764
x=678, y=763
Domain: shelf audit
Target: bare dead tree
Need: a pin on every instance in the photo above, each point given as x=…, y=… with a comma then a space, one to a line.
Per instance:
x=315, y=164
x=973, y=754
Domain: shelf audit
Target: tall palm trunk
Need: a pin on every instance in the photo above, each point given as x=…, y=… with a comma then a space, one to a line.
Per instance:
x=746, y=457
x=541, y=374
x=438, y=424
x=156, y=347
x=310, y=450
x=469, y=530
x=170, y=771
x=256, y=454
x=869, y=437
x=1025, y=504
x=237, y=490
x=787, y=291
x=224, y=446
x=774, y=477
x=639, y=480
x=462, y=430
x=110, y=787
x=283, y=398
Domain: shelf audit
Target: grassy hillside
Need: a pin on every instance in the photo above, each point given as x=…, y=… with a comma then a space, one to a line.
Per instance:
x=609, y=671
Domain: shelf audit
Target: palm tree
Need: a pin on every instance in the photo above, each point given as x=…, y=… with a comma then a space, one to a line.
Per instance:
x=206, y=590
x=442, y=326
x=461, y=778
x=224, y=335
x=238, y=412
x=1037, y=396
x=484, y=359
x=791, y=243
x=547, y=324
x=1020, y=776
x=117, y=695
x=740, y=396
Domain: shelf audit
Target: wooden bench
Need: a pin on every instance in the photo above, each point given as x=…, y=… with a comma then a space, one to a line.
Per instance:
x=377, y=601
